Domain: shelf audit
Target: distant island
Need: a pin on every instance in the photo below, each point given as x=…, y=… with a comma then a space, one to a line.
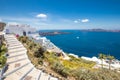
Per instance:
x=52, y=33
x=100, y=30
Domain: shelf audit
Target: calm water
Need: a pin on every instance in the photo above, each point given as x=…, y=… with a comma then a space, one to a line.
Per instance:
x=89, y=43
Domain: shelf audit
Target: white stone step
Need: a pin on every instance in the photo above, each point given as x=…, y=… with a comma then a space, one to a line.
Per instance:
x=16, y=59
x=53, y=78
x=17, y=49
x=16, y=55
x=38, y=75
x=15, y=65
x=14, y=47
x=32, y=75
x=12, y=44
x=9, y=35
x=12, y=74
x=25, y=74
x=44, y=76
x=6, y=37
x=23, y=71
x=11, y=39
x=15, y=42
x=8, y=41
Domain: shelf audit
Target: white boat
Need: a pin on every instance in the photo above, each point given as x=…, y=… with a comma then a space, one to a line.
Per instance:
x=78, y=37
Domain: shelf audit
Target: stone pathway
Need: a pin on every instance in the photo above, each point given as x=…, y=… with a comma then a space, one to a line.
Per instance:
x=19, y=66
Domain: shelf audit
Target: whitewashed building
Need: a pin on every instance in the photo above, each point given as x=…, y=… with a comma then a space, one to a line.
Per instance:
x=20, y=29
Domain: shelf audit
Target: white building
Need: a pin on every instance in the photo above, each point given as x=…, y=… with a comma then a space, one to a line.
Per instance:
x=20, y=29
x=48, y=45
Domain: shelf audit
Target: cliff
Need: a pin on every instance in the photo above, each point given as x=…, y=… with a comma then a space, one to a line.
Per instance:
x=2, y=25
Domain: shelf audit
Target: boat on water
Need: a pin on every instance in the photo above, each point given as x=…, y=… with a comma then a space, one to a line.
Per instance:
x=77, y=37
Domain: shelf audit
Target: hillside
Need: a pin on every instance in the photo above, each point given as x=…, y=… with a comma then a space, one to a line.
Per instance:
x=73, y=69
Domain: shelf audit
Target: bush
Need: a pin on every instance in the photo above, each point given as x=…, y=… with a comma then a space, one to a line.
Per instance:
x=39, y=52
x=66, y=72
x=40, y=61
x=2, y=61
x=84, y=74
x=23, y=39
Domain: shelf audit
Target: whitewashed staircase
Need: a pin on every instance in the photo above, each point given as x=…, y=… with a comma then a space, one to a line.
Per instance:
x=19, y=66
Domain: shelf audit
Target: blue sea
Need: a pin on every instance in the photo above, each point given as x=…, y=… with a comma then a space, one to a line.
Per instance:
x=85, y=43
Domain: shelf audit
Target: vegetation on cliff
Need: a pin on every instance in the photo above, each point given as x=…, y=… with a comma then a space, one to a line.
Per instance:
x=3, y=59
x=73, y=69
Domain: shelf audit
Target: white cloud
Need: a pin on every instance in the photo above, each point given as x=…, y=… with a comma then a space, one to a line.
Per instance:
x=41, y=16
x=76, y=21
x=85, y=20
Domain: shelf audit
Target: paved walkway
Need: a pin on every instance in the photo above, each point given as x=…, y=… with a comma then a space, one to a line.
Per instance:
x=19, y=66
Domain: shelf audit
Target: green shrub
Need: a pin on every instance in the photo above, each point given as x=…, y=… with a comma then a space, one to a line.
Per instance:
x=84, y=74
x=39, y=52
x=2, y=61
x=40, y=61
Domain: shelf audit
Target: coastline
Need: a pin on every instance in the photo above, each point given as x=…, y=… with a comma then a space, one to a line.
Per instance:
x=88, y=43
x=48, y=45
x=115, y=64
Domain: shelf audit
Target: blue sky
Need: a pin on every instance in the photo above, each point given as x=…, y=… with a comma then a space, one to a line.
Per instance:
x=62, y=14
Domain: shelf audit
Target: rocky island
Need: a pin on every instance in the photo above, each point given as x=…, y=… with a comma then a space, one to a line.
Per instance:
x=52, y=33
x=100, y=30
